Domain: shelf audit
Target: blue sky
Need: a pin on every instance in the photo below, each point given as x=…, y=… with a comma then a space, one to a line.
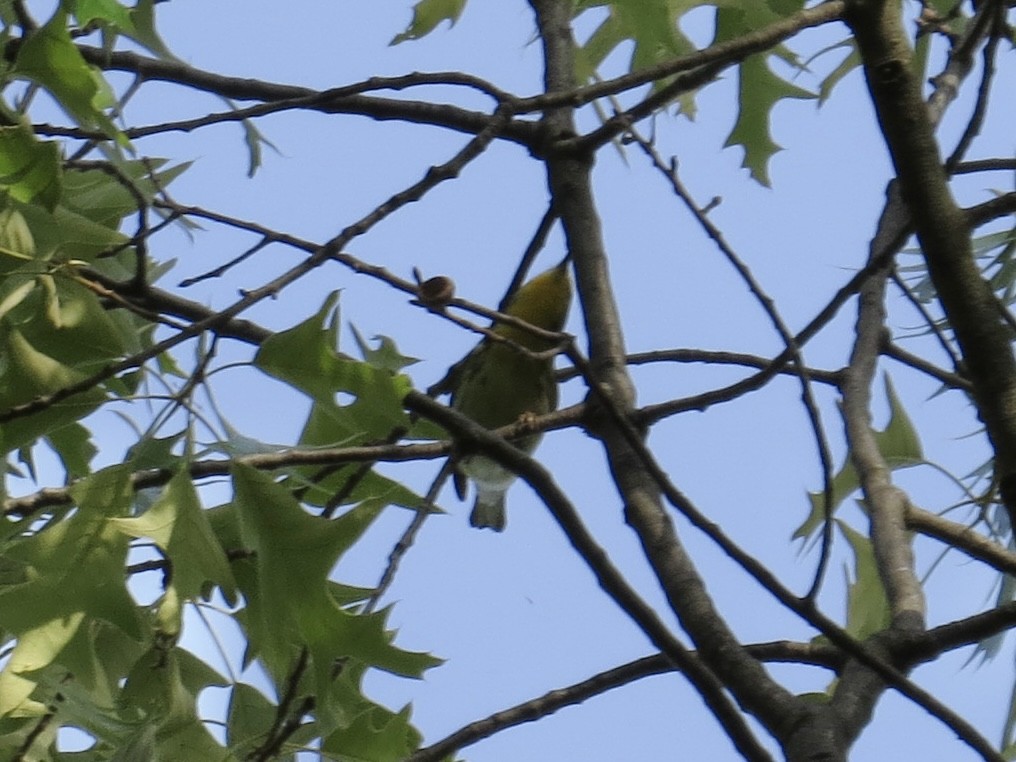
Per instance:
x=518, y=614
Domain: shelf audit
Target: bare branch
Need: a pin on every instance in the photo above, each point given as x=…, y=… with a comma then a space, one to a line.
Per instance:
x=963, y=538
x=571, y=188
x=340, y=100
x=941, y=226
x=769, y=307
x=618, y=677
x=608, y=576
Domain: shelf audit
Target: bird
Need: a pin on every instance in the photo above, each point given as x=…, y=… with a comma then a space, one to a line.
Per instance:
x=498, y=384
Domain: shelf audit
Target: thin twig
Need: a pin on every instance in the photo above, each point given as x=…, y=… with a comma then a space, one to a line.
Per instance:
x=976, y=120
x=934, y=326
x=769, y=307
x=407, y=539
x=332, y=249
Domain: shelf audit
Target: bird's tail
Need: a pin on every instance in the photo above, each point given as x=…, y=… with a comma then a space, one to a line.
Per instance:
x=488, y=511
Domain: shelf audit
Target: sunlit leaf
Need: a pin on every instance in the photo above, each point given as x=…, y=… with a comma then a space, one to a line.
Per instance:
x=177, y=523
x=29, y=168
x=48, y=608
x=290, y=605
x=50, y=58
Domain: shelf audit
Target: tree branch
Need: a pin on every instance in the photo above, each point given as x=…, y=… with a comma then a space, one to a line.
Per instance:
x=570, y=185
x=339, y=100
x=555, y=700
x=941, y=226
x=962, y=538
x=886, y=503
x=610, y=579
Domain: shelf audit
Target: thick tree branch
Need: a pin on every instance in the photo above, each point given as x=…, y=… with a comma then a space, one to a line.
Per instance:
x=571, y=189
x=941, y=227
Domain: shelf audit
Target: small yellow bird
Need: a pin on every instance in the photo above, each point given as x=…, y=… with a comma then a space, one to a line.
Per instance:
x=496, y=385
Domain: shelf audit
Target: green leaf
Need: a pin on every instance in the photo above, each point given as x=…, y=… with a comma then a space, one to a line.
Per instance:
x=654, y=29
x=295, y=552
x=305, y=357
x=106, y=12
x=47, y=610
x=30, y=168
x=142, y=17
x=329, y=426
x=898, y=443
x=386, y=356
x=64, y=319
x=50, y=58
x=651, y=24
x=68, y=235
x=154, y=452
x=28, y=374
x=839, y=73
x=99, y=658
x=250, y=717
x=376, y=735
x=427, y=14
x=37, y=647
x=254, y=139
x=1010, y=726
x=17, y=243
x=844, y=483
x=759, y=90
x=73, y=445
x=138, y=745
x=156, y=690
x=177, y=524
x=81, y=705
x=289, y=603
x=103, y=198
x=867, y=605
